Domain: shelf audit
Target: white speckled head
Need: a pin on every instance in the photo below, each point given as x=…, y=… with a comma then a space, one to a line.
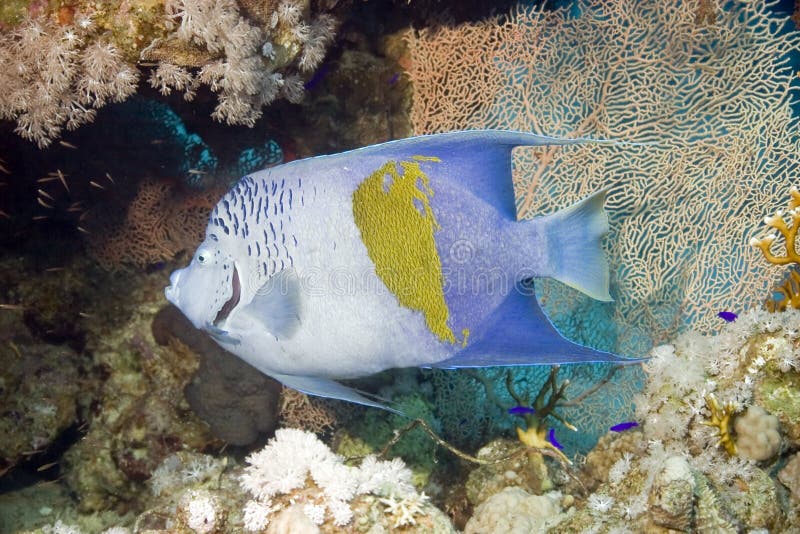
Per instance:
x=208, y=288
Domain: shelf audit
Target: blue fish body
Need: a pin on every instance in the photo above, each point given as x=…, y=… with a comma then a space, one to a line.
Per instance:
x=407, y=253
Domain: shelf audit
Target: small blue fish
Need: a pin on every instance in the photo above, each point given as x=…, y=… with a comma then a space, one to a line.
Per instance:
x=551, y=437
x=393, y=80
x=621, y=427
x=521, y=410
x=403, y=254
x=727, y=316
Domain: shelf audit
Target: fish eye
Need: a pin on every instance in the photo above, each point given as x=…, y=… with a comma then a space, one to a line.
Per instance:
x=203, y=256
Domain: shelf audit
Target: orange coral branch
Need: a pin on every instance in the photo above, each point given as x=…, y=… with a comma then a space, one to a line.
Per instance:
x=788, y=231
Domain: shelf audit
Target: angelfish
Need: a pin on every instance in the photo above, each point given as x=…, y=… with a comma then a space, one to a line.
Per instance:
x=405, y=253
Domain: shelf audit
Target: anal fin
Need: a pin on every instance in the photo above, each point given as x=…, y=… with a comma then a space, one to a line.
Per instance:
x=325, y=387
x=519, y=333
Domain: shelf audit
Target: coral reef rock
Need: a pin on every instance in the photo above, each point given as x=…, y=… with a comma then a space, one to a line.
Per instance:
x=515, y=511
x=671, y=496
x=527, y=471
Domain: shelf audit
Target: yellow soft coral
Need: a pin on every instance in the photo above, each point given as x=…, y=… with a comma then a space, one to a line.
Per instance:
x=721, y=418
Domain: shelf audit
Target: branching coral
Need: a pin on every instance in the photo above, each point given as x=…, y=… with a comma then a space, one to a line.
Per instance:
x=158, y=223
x=298, y=410
x=58, y=76
x=249, y=61
x=297, y=468
x=786, y=295
x=787, y=223
x=543, y=406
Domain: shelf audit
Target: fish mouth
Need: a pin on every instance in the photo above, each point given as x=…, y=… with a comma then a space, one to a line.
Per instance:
x=232, y=302
x=171, y=291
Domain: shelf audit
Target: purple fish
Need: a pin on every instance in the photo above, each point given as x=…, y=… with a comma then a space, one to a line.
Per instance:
x=393, y=79
x=727, y=316
x=521, y=410
x=624, y=426
x=551, y=437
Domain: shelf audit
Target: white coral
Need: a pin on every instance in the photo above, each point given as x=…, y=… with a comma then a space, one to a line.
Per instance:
x=50, y=79
x=600, y=503
x=243, y=77
x=294, y=456
x=61, y=528
x=256, y=515
x=200, y=510
x=514, y=510
x=404, y=509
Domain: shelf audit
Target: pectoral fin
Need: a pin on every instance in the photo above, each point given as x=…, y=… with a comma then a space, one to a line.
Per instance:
x=277, y=305
x=324, y=387
x=220, y=335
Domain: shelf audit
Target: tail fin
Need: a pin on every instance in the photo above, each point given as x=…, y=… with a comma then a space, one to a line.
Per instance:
x=575, y=255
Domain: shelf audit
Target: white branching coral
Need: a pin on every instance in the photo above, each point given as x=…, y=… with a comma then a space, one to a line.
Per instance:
x=256, y=515
x=296, y=461
x=403, y=509
x=243, y=72
x=182, y=468
x=600, y=503
x=52, y=79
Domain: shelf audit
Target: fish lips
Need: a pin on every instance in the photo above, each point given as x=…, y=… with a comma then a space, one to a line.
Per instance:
x=171, y=292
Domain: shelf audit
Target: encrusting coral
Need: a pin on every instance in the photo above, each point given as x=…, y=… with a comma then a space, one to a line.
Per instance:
x=757, y=434
x=514, y=510
x=674, y=471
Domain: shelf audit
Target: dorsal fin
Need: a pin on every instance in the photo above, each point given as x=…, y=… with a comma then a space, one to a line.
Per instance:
x=480, y=160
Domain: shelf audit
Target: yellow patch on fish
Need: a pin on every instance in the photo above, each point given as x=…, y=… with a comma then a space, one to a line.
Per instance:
x=392, y=210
